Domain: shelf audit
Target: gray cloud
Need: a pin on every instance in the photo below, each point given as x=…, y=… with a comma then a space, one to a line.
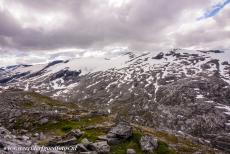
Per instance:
x=141, y=25
x=210, y=33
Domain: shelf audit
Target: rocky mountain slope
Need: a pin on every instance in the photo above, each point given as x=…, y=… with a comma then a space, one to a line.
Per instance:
x=180, y=91
x=29, y=119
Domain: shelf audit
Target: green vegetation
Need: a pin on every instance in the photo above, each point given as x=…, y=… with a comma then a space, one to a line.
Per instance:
x=38, y=100
x=27, y=105
x=166, y=136
x=66, y=128
x=62, y=126
x=163, y=148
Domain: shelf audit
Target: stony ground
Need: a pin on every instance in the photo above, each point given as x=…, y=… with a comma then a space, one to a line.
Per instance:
x=28, y=119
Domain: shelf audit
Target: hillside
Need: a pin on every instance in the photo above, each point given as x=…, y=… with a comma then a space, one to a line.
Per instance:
x=30, y=119
x=181, y=92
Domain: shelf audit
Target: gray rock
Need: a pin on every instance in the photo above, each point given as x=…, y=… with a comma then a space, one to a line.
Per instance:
x=122, y=130
x=90, y=127
x=17, y=113
x=102, y=137
x=111, y=135
x=62, y=142
x=100, y=147
x=43, y=121
x=131, y=151
x=111, y=140
x=159, y=56
x=76, y=133
x=148, y=143
x=35, y=135
x=41, y=136
x=85, y=142
x=82, y=148
x=23, y=131
x=24, y=137
x=9, y=140
x=114, y=141
x=3, y=131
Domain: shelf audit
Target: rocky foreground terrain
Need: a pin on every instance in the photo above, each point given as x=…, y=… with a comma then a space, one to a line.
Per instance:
x=29, y=119
x=180, y=98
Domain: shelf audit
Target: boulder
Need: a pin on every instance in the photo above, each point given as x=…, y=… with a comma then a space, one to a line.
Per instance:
x=123, y=131
x=159, y=56
x=148, y=143
x=100, y=147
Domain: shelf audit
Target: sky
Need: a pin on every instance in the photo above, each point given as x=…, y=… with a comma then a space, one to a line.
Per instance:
x=34, y=31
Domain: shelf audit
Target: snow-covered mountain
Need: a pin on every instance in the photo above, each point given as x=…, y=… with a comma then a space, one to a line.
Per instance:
x=58, y=77
x=179, y=90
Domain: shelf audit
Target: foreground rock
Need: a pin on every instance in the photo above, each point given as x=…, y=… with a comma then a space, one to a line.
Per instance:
x=117, y=134
x=123, y=131
x=100, y=147
x=148, y=143
x=9, y=140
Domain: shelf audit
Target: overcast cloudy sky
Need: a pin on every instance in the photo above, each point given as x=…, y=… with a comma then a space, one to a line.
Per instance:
x=34, y=31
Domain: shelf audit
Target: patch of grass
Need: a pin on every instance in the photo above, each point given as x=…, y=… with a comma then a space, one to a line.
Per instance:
x=62, y=126
x=38, y=99
x=186, y=149
x=179, y=144
x=43, y=142
x=163, y=148
x=66, y=128
x=27, y=105
x=168, y=137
